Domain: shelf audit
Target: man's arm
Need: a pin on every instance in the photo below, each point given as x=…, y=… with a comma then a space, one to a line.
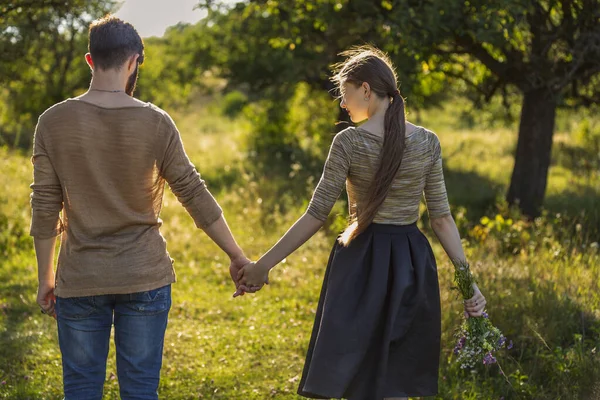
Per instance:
x=44, y=252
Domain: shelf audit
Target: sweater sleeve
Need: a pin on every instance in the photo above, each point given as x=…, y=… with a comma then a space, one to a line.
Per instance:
x=47, y=195
x=183, y=179
x=435, y=187
x=333, y=178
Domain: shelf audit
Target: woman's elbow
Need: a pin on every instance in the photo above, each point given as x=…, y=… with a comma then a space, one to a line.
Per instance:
x=314, y=222
x=438, y=223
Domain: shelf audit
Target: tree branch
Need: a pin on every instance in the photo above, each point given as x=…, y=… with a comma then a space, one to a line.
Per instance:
x=32, y=5
x=504, y=71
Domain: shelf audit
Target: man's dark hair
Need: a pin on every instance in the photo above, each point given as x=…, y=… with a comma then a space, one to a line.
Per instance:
x=112, y=41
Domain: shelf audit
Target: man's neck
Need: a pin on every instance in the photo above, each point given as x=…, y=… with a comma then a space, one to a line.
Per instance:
x=107, y=81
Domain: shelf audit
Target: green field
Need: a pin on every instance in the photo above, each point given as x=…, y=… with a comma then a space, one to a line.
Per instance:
x=541, y=279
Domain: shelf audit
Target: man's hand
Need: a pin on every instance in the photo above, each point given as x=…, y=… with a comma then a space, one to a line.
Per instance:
x=46, y=299
x=235, y=267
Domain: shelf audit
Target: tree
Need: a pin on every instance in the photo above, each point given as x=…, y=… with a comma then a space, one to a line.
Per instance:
x=272, y=45
x=175, y=65
x=42, y=44
x=548, y=50
x=279, y=52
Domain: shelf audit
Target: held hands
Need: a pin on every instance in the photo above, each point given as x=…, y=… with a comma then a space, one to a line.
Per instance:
x=475, y=305
x=253, y=276
x=235, y=268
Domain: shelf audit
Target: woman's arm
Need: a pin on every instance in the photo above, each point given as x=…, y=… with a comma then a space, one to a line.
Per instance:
x=326, y=193
x=302, y=230
x=447, y=233
x=443, y=224
x=255, y=276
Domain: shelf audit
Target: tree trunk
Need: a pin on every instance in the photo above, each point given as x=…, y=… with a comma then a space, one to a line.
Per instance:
x=534, y=146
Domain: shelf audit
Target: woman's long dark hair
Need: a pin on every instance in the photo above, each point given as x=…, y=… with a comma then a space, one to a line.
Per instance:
x=371, y=65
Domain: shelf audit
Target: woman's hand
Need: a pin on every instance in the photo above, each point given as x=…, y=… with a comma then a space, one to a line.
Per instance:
x=475, y=305
x=254, y=276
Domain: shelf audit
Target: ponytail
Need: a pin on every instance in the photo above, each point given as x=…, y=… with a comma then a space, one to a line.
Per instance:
x=389, y=164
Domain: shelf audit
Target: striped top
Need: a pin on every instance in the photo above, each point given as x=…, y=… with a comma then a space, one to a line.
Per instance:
x=353, y=159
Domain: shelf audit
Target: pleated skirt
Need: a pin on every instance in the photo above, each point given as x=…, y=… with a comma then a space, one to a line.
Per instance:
x=378, y=324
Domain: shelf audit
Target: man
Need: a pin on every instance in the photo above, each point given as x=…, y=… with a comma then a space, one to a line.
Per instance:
x=103, y=159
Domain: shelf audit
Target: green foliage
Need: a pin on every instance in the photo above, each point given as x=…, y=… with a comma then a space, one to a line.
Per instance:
x=482, y=51
x=42, y=47
x=476, y=47
x=289, y=140
x=278, y=43
x=519, y=42
x=281, y=51
x=178, y=66
x=588, y=136
x=508, y=232
x=13, y=236
x=234, y=103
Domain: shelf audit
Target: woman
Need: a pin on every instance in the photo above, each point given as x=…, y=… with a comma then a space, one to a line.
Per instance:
x=377, y=329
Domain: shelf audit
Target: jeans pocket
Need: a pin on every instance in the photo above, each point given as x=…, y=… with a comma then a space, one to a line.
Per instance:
x=152, y=301
x=75, y=307
x=159, y=294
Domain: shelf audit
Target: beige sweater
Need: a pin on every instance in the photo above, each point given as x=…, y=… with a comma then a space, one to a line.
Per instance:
x=105, y=169
x=353, y=160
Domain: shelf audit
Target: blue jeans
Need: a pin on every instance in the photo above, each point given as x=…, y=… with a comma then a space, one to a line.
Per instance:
x=84, y=326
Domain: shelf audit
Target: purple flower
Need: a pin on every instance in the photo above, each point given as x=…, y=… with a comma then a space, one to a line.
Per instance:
x=489, y=358
x=501, y=341
x=485, y=315
x=510, y=345
x=461, y=342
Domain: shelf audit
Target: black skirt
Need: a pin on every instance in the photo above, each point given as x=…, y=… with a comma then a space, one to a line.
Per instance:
x=378, y=324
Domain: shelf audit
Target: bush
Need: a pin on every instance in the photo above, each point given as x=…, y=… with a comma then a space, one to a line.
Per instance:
x=233, y=103
x=508, y=232
x=588, y=137
x=13, y=236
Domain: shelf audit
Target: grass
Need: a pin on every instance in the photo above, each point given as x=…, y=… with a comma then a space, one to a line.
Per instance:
x=540, y=280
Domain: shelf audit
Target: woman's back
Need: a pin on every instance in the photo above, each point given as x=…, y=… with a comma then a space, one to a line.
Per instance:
x=354, y=157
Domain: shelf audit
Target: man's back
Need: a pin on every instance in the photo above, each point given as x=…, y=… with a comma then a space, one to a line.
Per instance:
x=107, y=168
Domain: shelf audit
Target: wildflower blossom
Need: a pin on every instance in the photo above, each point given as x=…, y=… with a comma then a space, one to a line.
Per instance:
x=477, y=337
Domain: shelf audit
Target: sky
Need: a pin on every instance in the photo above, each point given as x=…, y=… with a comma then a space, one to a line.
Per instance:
x=152, y=17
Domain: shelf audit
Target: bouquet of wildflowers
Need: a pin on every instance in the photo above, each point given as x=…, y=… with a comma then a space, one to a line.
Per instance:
x=477, y=338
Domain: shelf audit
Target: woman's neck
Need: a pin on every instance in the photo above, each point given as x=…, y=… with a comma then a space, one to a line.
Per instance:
x=376, y=122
